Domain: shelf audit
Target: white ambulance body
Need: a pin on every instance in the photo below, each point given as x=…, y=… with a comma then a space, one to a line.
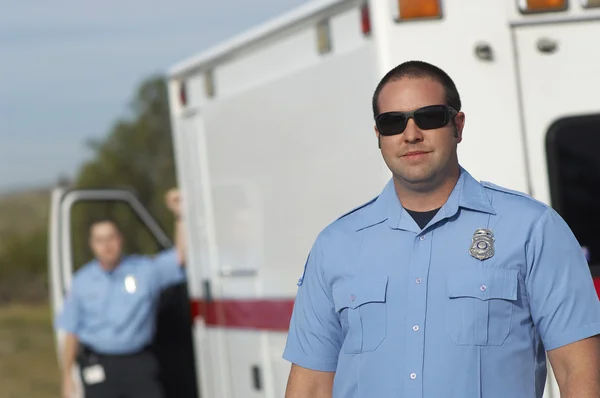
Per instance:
x=274, y=140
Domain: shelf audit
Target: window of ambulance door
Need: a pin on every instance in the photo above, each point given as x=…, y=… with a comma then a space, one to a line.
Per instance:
x=573, y=148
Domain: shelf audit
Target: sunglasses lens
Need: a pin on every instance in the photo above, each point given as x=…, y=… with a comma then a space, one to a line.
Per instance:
x=431, y=117
x=391, y=123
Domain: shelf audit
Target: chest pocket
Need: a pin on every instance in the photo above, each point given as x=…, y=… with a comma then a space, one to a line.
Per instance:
x=361, y=306
x=480, y=305
x=132, y=298
x=94, y=301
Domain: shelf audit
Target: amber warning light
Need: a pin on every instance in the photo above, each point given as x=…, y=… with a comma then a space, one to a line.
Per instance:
x=542, y=5
x=419, y=9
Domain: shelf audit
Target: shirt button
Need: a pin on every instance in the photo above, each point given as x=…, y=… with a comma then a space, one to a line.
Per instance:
x=416, y=328
x=483, y=288
x=418, y=280
x=422, y=237
x=413, y=376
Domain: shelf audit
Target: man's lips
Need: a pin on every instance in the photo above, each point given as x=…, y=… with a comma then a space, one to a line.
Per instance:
x=414, y=154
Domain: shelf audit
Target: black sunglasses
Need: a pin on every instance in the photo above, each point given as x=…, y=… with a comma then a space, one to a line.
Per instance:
x=426, y=118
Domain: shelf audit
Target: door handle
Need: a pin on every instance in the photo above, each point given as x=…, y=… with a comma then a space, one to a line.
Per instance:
x=207, y=291
x=237, y=273
x=256, y=378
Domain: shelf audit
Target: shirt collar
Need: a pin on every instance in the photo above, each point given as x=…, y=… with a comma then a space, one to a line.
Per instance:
x=468, y=193
x=120, y=268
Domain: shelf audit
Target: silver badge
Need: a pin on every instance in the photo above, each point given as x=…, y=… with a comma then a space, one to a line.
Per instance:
x=130, y=284
x=482, y=246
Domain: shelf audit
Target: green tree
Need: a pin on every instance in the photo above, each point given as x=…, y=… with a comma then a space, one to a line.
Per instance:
x=23, y=266
x=136, y=154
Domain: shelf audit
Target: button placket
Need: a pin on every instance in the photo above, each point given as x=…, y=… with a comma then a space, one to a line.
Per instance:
x=417, y=304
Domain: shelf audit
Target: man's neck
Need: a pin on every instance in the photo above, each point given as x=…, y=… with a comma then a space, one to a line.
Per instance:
x=426, y=197
x=109, y=267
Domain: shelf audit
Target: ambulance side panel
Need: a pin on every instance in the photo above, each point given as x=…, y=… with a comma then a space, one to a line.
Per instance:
x=286, y=145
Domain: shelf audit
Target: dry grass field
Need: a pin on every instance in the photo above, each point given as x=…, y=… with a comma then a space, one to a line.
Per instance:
x=28, y=362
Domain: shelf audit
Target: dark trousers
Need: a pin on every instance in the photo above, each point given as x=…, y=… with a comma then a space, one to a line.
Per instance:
x=127, y=376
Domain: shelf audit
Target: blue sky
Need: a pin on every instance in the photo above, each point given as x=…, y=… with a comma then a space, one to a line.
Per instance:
x=68, y=69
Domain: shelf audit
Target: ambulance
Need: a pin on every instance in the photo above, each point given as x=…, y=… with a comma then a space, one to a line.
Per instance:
x=273, y=135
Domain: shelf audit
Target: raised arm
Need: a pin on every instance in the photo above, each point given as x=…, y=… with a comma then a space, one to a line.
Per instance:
x=173, y=202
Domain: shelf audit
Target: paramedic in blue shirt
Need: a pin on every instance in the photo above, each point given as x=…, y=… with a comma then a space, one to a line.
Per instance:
x=109, y=314
x=442, y=286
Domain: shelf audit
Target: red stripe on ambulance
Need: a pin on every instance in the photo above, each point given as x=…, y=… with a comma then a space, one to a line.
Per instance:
x=266, y=314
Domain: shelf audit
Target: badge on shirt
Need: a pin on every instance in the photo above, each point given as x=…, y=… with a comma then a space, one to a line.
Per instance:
x=93, y=375
x=482, y=244
x=130, y=284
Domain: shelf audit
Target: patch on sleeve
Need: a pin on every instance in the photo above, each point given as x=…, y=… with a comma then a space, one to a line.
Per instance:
x=301, y=279
x=586, y=253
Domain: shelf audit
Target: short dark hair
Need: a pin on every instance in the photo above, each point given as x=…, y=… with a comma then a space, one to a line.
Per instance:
x=419, y=70
x=102, y=220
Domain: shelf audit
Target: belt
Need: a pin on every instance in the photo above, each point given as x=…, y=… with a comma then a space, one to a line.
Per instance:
x=87, y=355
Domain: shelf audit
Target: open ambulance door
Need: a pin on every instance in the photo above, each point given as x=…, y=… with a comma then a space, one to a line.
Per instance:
x=559, y=80
x=70, y=213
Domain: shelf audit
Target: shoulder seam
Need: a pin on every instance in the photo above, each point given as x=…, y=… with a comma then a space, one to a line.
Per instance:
x=513, y=192
x=357, y=208
x=499, y=188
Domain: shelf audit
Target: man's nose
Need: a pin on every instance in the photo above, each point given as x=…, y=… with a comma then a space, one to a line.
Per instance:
x=412, y=133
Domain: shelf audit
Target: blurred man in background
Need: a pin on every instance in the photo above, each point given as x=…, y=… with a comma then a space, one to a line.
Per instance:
x=109, y=315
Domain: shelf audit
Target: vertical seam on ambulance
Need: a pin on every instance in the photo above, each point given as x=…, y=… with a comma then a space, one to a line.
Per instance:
x=521, y=107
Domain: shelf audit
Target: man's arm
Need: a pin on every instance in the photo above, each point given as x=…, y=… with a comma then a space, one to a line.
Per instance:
x=564, y=306
x=577, y=368
x=307, y=383
x=69, y=354
x=169, y=263
x=173, y=202
x=315, y=334
x=68, y=361
x=69, y=322
x=180, y=240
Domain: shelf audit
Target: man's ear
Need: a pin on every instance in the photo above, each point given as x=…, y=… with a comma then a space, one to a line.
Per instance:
x=378, y=136
x=459, y=125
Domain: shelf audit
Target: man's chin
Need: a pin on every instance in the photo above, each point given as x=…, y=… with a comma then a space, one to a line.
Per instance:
x=417, y=182
x=418, y=177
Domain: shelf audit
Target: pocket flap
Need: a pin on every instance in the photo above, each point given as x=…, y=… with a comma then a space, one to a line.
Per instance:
x=359, y=291
x=484, y=283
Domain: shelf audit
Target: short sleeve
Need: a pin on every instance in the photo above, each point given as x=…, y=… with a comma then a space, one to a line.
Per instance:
x=563, y=301
x=70, y=316
x=315, y=336
x=168, y=270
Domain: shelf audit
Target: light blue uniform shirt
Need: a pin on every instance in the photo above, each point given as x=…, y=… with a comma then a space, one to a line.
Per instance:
x=115, y=312
x=400, y=312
